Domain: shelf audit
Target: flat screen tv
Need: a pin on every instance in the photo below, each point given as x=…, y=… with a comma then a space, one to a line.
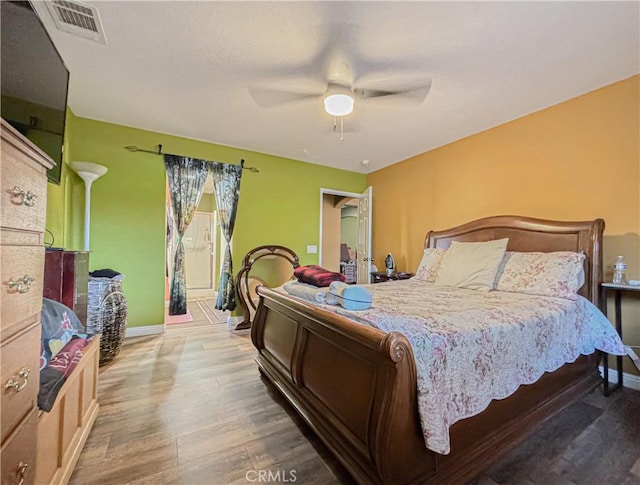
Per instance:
x=35, y=81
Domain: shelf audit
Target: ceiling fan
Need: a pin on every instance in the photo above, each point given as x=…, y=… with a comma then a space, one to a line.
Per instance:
x=341, y=88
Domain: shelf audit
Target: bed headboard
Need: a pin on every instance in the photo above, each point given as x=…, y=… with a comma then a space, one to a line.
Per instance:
x=528, y=234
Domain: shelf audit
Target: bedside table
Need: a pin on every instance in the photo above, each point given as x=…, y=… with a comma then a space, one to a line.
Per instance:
x=382, y=276
x=617, y=294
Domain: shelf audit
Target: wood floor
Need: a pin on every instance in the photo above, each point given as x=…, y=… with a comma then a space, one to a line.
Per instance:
x=188, y=407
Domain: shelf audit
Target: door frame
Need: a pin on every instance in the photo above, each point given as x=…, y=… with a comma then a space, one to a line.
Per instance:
x=341, y=193
x=364, y=274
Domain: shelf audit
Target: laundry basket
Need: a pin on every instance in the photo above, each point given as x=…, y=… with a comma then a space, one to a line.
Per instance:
x=107, y=314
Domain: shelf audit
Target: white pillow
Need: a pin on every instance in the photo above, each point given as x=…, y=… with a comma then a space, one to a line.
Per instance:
x=428, y=267
x=559, y=274
x=471, y=265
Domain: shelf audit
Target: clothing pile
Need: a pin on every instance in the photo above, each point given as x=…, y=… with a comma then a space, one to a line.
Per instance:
x=319, y=285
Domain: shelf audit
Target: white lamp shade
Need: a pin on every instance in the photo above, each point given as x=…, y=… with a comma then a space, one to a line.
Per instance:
x=338, y=104
x=88, y=171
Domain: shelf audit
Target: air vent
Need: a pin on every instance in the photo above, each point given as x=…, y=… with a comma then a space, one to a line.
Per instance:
x=77, y=19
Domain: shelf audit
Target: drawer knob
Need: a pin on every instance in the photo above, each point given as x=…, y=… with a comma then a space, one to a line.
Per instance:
x=14, y=382
x=23, y=285
x=20, y=197
x=22, y=471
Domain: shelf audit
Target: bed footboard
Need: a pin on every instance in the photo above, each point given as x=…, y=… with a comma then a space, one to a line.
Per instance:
x=353, y=384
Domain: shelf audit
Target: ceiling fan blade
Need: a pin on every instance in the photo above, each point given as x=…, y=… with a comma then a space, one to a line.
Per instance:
x=415, y=90
x=271, y=94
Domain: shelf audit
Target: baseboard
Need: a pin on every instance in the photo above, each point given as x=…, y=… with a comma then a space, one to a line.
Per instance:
x=142, y=331
x=200, y=293
x=631, y=381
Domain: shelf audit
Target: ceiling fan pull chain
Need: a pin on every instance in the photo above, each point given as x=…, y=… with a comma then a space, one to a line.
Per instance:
x=335, y=126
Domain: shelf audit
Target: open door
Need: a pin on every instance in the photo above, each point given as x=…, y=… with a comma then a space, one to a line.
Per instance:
x=364, y=237
x=200, y=255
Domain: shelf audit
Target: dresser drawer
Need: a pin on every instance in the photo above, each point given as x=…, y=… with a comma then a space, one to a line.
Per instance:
x=19, y=302
x=26, y=208
x=21, y=451
x=18, y=355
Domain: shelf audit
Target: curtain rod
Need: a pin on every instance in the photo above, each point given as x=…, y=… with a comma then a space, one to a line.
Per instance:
x=133, y=148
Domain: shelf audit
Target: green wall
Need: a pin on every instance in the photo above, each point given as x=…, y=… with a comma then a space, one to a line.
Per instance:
x=65, y=217
x=46, y=134
x=279, y=205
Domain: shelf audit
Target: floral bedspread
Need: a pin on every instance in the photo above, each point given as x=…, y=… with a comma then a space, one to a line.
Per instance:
x=472, y=347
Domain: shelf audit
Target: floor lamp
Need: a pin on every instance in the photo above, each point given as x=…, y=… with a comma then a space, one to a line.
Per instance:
x=89, y=172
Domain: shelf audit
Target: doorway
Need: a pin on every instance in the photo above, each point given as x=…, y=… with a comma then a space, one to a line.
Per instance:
x=201, y=244
x=200, y=251
x=345, y=234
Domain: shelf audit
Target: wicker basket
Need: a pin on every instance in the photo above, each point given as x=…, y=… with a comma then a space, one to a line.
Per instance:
x=107, y=314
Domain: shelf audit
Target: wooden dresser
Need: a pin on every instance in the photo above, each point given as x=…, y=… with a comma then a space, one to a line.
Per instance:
x=23, y=196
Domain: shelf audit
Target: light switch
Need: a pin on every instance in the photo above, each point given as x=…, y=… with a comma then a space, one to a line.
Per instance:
x=312, y=249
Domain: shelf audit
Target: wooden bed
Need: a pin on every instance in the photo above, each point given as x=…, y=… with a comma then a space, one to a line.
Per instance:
x=356, y=385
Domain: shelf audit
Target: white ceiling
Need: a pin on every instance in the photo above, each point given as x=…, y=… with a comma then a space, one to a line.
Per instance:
x=184, y=68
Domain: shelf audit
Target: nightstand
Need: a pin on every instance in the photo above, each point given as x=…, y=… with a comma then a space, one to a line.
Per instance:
x=617, y=294
x=382, y=276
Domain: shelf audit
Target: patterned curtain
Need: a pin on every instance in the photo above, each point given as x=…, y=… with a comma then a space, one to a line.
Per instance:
x=226, y=182
x=186, y=185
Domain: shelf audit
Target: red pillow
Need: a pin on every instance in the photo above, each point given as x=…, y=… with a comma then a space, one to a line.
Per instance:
x=317, y=275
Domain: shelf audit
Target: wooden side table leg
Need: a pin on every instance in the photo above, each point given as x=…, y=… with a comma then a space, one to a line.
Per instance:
x=605, y=374
x=606, y=387
x=605, y=357
x=618, y=304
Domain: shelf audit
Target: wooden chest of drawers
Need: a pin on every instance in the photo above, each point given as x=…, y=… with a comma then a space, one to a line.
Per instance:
x=23, y=196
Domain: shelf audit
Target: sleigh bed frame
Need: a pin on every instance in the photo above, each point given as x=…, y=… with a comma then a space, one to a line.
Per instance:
x=356, y=386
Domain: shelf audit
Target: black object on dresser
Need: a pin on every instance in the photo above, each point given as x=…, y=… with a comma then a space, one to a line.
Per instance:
x=382, y=276
x=66, y=279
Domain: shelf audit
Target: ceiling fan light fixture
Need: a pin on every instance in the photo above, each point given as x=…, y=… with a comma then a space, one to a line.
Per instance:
x=338, y=104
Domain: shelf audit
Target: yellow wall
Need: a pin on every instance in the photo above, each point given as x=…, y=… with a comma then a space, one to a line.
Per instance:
x=577, y=160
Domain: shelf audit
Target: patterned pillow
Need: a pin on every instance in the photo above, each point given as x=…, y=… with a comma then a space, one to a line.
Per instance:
x=59, y=325
x=559, y=274
x=428, y=267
